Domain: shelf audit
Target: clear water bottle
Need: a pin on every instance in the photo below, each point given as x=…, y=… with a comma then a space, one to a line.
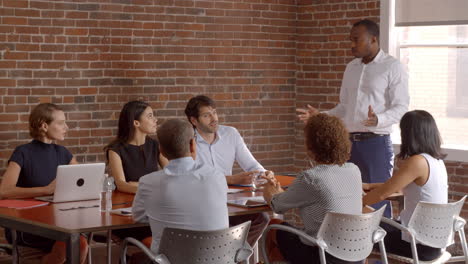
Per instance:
x=106, y=193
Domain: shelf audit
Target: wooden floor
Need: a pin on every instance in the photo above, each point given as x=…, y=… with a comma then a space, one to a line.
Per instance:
x=98, y=253
x=99, y=256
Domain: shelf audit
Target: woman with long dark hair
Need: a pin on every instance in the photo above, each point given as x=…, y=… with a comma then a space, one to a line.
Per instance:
x=133, y=153
x=421, y=175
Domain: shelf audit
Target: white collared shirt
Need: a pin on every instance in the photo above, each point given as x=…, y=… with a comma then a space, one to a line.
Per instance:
x=382, y=84
x=183, y=195
x=227, y=148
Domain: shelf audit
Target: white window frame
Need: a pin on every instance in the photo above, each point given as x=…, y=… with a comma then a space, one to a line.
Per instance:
x=387, y=37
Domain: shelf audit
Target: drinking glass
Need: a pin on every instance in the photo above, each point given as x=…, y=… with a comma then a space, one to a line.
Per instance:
x=257, y=181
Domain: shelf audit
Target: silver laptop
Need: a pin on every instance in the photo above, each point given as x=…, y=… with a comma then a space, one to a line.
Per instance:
x=77, y=183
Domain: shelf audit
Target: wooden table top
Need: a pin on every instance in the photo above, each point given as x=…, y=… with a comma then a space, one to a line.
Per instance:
x=92, y=220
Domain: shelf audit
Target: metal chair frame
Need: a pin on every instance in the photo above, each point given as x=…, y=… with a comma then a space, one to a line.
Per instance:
x=328, y=240
x=446, y=222
x=200, y=243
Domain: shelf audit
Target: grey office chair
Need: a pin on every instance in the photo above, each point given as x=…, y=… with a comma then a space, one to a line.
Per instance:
x=180, y=246
x=344, y=236
x=434, y=225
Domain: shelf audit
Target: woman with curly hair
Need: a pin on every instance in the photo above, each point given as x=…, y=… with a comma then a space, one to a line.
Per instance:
x=331, y=184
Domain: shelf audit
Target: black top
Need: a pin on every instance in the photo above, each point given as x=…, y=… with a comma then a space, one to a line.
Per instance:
x=39, y=162
x=138, y=161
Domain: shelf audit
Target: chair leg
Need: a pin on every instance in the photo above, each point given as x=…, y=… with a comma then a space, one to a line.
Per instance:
x=463, y=243
x=323, y=260
x=14, y=251
x=90, y=239
x=383, y=253
x=123, y=252
x=414, y=250
x=255, y=253
x=109, y=246
x=262, y=242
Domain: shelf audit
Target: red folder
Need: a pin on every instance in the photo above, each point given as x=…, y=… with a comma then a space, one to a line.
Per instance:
x=21, y=204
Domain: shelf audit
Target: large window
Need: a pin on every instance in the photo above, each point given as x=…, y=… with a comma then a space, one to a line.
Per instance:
x=437, y=62
x=436, y=58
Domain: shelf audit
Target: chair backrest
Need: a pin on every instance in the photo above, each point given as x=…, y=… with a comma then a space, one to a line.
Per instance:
x=210, y=247
x=433, y=224
x=349, y=237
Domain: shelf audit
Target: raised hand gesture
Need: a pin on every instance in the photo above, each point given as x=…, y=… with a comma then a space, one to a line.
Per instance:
x=372, y=119
x=305, y=114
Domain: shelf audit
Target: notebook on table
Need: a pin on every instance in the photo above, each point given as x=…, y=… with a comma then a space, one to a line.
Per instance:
x=77, y=183
x=248, y=202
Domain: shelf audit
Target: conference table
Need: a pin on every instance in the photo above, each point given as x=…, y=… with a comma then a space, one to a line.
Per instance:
x=66, y=221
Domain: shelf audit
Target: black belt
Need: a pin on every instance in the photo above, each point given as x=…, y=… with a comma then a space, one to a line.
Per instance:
x=360, y=136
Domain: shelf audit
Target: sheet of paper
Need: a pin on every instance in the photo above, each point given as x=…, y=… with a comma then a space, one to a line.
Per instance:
x=127, y=211
x=234, y=190
x=248, y=201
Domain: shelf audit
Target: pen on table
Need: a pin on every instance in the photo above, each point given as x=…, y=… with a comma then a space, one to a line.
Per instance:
x=121, y=203
x=78, y=207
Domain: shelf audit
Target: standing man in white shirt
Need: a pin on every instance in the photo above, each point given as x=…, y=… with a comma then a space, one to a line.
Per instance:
x=373, y=97
x=221, y=146
x=184, y=194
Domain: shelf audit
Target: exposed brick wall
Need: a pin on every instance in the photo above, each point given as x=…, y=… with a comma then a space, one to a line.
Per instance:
x=458, y=182
x=323, y=50
x=93, y=56
x=259, y=59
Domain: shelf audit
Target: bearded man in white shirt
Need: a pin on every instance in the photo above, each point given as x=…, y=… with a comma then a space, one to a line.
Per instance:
x=220, y=146
x=373, y=97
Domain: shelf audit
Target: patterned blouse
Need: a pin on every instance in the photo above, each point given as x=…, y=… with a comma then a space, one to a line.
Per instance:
x=319, y=190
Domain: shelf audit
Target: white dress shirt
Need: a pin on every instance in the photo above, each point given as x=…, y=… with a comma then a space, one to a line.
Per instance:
x=182, y=195
x=227, y=148
x=382, y=84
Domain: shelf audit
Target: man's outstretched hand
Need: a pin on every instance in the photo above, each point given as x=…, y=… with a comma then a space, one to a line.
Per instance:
x=305, y=114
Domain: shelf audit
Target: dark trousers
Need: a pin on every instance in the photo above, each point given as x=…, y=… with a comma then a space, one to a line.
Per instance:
x=395, y=245
x=296, y=252
x=30, y=240
x=139, y=233
x=374, y=157
x=257, y=226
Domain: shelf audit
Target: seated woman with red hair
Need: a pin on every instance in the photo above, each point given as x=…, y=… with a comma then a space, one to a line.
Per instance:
x=330, y=184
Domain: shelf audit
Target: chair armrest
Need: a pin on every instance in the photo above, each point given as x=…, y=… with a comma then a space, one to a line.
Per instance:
x=458, y=223
x=297, y=232
x=287, y=229
x=160, y=259
x=243, y=253
x=396, y=225
x=378, y=235
x=367, y=209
